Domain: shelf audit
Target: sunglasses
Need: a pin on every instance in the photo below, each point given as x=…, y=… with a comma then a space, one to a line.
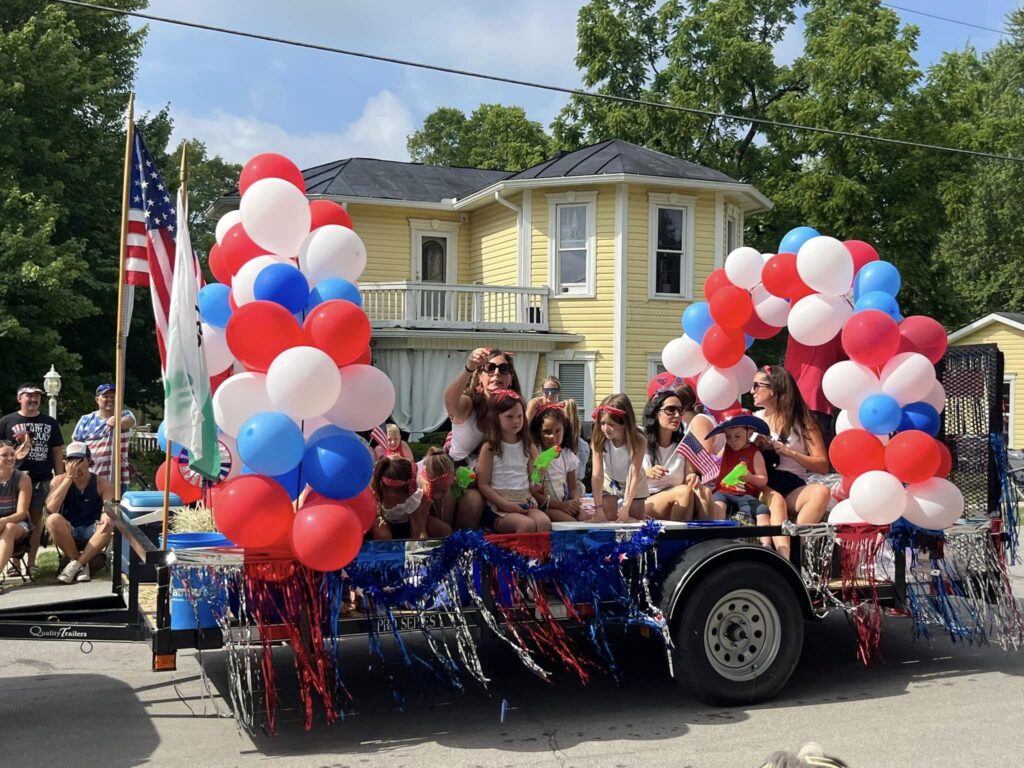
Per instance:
x=503, y=368
x=758, y=385
x=551, y=390
x=671, y=410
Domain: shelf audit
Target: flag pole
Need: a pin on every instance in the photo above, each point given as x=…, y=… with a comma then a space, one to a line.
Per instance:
x=119, y=342
x=183, y=190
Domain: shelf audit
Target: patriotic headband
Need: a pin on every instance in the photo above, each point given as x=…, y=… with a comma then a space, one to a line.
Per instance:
x=611, y=410
x=509, y=355
x=505, y=394
x=393, y=482
x=438, y=485
x=551, y=407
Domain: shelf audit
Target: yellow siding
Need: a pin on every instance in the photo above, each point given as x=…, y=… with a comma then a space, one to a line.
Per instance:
x=493, y=246
x=388, y=237
x=1011, y=343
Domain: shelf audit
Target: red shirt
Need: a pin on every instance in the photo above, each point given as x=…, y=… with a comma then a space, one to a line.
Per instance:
x=808, y=365
x=730, y=459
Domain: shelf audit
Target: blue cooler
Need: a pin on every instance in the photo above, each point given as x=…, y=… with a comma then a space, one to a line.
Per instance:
x=146, y=510
x=183, y=615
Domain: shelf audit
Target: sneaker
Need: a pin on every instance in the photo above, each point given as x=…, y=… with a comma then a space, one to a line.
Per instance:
x=83, y=574
x=70, y=572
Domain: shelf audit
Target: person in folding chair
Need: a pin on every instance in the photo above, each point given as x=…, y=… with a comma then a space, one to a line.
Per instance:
x=76, y=521
x=15, y=492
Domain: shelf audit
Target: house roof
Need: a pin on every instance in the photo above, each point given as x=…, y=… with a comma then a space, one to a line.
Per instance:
x=393, y=180
x=1013, y=320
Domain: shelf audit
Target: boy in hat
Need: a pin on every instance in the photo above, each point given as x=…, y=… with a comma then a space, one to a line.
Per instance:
x=741, y=499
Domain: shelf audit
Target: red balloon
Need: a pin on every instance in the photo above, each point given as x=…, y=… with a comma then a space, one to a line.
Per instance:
x=231, y=302
x=328, y=212
x=717, y=279
x=326, y=536
x=259, y=331
x=364, y=505
x=218, y=266
x=722, y=347
x=731, y=307
x=861, y=252
x=366, y=358
x=237, y=248
x=188, y=493
x=870, y=337
x=219, y=378
x=252, y=510
x=945, y=460
x=270, y=165
x=855, y=452
x=922, y=334
x=758, y=328
x=339, y=328
x=912, y=456
x=780, y=278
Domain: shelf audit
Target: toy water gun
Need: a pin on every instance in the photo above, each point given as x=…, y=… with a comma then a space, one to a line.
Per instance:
x=543, y=461
x=735, y=476
x=464, y=477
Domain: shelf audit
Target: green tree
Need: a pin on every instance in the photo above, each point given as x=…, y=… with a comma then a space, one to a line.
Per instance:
x=494, y=137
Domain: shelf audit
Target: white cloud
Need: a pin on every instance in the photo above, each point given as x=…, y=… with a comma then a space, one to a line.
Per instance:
x=380, y=132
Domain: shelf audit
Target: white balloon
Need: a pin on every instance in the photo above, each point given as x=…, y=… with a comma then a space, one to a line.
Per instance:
x=332, y=251
x=683, y=357
x=766, y=257
x=846, y=420
x=816, y=319
x=878, y=497
x=743, y=267
x=275, y=215
x=825, y=265
x=743, y=372
x=238, y=398
x=935, y=504
x=227, y=221
x=773, y=310
x=303, y=382
x=936, y=398
x=215, y=349
x=847, y=383
x=367, y=398
x=717, y=389
x=242, y=285
x=908, y=377
x=843, y=513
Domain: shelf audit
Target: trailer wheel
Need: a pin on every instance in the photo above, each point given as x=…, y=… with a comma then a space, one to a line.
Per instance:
x=739, y=635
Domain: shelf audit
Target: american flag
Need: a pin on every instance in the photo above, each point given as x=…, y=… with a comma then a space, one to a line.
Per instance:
x=380, y=437
x=691, y=449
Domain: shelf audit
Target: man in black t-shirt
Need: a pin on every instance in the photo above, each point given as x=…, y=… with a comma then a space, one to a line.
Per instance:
x=37, y=437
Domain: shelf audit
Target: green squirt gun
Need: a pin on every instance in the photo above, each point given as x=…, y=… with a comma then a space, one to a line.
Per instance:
x=543, y=461
x=464, y=477
x=735, y=476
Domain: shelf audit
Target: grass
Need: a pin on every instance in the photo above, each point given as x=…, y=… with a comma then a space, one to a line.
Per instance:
x=46, y=567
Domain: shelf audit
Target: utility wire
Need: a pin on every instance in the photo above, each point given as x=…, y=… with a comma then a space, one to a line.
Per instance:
x=944, y=18
x=539, y=86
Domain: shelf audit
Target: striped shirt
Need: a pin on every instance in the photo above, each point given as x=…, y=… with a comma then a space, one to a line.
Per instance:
x=93, y=430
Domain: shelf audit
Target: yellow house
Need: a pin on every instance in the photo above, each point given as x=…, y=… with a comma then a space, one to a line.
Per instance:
x=1005, y=330
x=581, y=265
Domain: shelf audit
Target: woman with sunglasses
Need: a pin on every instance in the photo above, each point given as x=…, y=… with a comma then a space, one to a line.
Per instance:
x=465, y=399
x=551, y=393
x=670, y=478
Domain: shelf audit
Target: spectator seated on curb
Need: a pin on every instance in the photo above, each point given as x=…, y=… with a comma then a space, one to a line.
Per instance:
x=76, y=521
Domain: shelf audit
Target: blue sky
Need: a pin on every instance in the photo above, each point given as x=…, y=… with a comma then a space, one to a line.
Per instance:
x=245, y=96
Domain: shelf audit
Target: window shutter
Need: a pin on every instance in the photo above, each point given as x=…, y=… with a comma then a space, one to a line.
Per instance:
x=573, y=379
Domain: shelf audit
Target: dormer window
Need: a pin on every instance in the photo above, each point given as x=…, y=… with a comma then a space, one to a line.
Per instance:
x=572, y=250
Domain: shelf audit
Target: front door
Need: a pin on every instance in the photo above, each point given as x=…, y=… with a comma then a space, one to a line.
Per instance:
x=433, y=268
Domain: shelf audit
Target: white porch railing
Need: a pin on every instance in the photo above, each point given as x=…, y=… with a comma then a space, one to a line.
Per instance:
x=407, y=304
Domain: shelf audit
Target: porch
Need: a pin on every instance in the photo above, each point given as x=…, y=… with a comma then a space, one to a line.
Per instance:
x=409, y=304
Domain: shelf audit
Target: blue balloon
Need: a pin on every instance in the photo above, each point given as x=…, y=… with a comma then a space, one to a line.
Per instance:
x=793, y=239
x=697, y=320
x=749, y=341
x=338, y=466
x=880, y=414
x=324, y=431
x=883, y=302
x=334, y=288
x=877, y=276
x=921, y=416
x=283, y=284
x=214, y=307
x=289, y=480
x=270, y=443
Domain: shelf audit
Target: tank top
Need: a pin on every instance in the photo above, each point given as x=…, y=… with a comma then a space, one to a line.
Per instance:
x=82, y=507
x=730, y=459
x=617, y=462
x=509, y=471
x=9, y=494
x=797, y=443
x=466, y=438
x=674, y=464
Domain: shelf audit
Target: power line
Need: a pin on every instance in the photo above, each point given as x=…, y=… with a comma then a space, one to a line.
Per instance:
x=539, y=86
x=945, y=18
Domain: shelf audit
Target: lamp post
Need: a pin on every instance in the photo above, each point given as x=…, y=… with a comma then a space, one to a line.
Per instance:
x=51, y=384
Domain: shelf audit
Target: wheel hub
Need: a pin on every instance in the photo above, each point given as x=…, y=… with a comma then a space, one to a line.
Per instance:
x=742, y=635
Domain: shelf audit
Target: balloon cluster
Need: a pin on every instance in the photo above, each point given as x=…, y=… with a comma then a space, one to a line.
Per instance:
x=286, y=334
x=820, y=288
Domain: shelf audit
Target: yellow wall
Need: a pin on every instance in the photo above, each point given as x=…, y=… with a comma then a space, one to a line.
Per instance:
x=1011, y=343
x=492, y=232
x=388, y=237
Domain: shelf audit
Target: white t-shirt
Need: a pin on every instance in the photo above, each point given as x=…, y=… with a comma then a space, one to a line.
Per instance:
x=558, y=471
x=674, y=464
x=509, y=471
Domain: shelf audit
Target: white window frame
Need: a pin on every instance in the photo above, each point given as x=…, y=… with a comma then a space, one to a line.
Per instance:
x=588, y=199
x=1011, y=379
x=553, y=359
x=420, y=228
x=733, y=218
x=653, y=361
x=688, y=205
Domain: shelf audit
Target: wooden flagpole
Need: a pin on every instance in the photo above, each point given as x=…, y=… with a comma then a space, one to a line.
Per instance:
x=120, y=346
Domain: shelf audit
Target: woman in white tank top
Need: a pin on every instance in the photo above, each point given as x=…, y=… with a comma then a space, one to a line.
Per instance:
x=670, y=478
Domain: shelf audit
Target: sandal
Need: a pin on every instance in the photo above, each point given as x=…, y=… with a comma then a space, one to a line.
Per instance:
x=31, y=572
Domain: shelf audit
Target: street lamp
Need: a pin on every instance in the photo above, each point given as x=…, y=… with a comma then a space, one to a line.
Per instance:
x=51, y=384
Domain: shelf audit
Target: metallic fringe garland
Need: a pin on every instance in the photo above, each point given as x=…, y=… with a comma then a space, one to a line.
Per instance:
x=1008, y=500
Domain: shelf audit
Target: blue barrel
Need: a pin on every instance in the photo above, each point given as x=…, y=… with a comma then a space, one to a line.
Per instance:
x=183, y=615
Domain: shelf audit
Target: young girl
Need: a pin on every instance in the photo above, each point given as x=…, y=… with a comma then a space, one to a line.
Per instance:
x=582, y=449
x=403, y=510
x=503, y=470
x=560, y=493
x=395, y=445
x=437, y=474
x=619, y=482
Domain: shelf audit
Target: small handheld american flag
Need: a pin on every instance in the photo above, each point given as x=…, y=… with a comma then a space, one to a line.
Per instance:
x=691, y=449
x=380, y=438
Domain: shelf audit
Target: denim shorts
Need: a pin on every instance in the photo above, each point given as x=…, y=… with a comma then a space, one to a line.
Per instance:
x=742, y=506
x=83, y=532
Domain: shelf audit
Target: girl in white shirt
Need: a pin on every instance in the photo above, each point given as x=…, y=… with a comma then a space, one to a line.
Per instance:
x=619, y=482
x=670, y=477
x=560, y=491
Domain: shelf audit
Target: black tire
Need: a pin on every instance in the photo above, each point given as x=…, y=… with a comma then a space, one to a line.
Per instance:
x=739, y=633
